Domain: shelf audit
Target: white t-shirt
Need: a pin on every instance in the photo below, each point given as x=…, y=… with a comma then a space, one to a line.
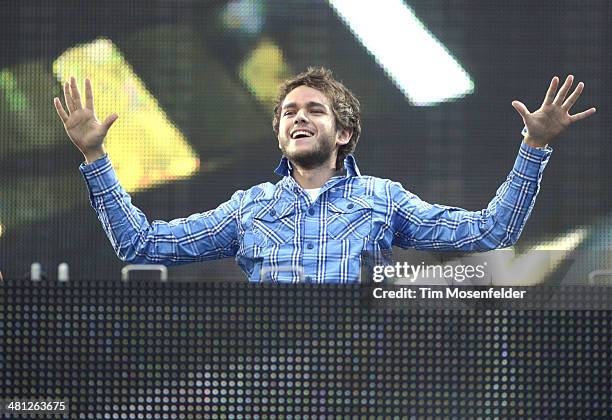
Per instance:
x=313, y=193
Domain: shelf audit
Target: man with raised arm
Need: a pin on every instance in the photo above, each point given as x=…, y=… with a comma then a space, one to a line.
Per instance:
x=323, y=217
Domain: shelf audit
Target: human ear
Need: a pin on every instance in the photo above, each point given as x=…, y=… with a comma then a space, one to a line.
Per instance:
x=343, y=136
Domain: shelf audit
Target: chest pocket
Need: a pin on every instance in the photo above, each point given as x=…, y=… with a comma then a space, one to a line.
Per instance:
x=275, y=223
x=349, y=218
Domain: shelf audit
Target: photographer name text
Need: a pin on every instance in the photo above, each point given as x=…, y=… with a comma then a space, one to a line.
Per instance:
x=447, y=293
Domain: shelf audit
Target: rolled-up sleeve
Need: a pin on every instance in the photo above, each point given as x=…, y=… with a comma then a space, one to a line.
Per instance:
x=199, y=237
x=421, y=225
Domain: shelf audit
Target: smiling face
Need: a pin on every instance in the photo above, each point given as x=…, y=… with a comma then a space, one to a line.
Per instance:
x=307, y=132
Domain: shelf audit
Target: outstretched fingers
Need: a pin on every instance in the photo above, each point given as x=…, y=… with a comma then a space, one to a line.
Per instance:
x=582, y=115
x=68, y=98
x=76, y=97
x=571, y=100
x=550, y=93
x=563, y=91
x=109, y=121
x=521, y=108
x=89, y=100
x=60, y=110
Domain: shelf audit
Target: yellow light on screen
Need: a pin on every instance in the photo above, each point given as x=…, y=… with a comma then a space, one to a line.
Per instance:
x=535, y=265
x=1, y=230
x=567, y=242
x=264, y=70
x=146, y=148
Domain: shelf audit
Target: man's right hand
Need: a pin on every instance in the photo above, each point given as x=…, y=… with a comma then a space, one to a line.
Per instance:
x=81, y=124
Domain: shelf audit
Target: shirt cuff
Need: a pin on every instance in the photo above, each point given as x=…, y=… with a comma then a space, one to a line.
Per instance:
x=531, y=161
x=524, y=132
x=99, y=176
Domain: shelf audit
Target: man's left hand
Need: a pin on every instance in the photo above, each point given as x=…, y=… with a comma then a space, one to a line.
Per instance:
x=552, y=118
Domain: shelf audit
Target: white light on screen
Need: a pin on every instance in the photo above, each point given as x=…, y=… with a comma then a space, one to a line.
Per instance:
x=419, y=65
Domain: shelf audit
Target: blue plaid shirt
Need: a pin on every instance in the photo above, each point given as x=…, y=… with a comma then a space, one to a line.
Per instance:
x=276, y=232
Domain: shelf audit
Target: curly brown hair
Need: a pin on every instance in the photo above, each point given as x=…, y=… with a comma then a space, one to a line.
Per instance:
x=345, y=105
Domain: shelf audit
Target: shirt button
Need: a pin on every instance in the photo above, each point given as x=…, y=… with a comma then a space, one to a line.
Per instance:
x=311, y=212
x=309, y=245
x=350, y=206
x=296, y=190
x=272, y=212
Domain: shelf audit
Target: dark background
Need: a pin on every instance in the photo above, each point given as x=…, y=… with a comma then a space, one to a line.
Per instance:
x=219, y=349
x=454, y=153
x=215, y=350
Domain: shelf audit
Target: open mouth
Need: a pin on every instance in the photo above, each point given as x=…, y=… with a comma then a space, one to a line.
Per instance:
x=301, y=134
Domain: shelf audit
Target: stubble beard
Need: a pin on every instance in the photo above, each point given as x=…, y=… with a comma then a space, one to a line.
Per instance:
x=317, y=156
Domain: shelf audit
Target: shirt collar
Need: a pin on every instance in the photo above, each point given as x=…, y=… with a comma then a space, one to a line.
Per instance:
x=284, y=168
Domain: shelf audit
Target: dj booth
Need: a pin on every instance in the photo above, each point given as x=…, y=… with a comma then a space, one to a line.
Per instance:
x=202, y=349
